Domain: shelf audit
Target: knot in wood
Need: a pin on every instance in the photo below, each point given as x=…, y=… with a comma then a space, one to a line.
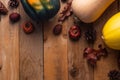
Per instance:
x=74, y=72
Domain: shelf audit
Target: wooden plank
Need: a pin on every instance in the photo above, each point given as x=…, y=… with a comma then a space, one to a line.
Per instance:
x=55, y=52
x=63, y=58
x=109, y=63
x=31, y=51
x=9, y=47
x=78, y=68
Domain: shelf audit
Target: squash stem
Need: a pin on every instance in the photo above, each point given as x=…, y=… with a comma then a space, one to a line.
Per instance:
x=102, y=37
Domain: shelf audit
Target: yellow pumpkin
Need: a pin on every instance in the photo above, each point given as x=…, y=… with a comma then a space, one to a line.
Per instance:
x=111, y=32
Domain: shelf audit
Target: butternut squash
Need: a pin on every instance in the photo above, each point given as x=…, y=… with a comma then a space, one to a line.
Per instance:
x=90, y=10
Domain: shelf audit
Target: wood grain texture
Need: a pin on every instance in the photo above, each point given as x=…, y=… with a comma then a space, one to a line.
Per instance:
x=78, y=67
x=109, y=63
x=9, y=47
x=55, y=52
x=31, y=51
x=28, y=57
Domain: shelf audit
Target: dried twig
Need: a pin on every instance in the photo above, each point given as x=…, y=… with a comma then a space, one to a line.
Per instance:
x=67, y=11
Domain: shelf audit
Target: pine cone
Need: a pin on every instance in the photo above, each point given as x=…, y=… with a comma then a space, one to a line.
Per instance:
x=90, y=35
x=13, y=3
x=114, y=75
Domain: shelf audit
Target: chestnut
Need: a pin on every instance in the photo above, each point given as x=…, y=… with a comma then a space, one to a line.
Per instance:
x=57, y=29
x=14, y=17
x=74, y=33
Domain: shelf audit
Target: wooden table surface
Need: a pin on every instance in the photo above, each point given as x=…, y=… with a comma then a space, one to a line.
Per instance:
x=44, y=56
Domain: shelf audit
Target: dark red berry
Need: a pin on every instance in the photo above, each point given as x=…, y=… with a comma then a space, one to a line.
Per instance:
x=14, y=17
x=28, y=27
x=57, y=29
x=74, y=33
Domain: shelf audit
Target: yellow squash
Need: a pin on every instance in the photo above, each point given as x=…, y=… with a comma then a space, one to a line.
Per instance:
x=111, y=32
x=90, y=10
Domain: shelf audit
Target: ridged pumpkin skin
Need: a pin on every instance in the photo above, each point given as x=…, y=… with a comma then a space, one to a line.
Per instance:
x=111, y=32
x=40, y=10
x=90, y=10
